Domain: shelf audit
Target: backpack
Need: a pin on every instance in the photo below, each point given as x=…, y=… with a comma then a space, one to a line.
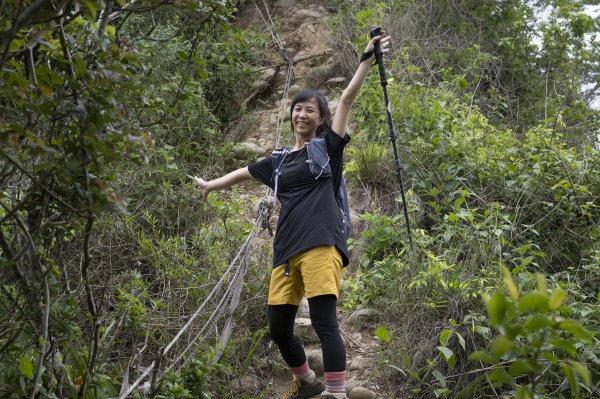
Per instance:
x=318, y=161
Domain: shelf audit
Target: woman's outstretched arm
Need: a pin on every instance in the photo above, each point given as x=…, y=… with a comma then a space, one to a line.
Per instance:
x=342, y=113
x=235, y=177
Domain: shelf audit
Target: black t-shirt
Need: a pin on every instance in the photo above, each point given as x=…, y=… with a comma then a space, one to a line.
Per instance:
x=309, y=214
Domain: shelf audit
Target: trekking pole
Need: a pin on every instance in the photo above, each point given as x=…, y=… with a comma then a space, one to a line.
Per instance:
x=379, y=57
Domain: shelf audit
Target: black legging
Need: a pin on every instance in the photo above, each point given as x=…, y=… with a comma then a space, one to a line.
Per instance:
x=324, y=321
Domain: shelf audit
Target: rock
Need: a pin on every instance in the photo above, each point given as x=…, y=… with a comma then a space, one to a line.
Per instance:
x=299, y=55
x=354, y=383
x=315, y=360
x=246, y=150
x=336, y=82
x=362, y=393
x=357, y=363
x=333, y=104
x=249, y=382
x=304, y=330
x=265, y=77
x=321, y=74
x=362, y=316
x=303, y=310
x=293, y=90
x=306, y=13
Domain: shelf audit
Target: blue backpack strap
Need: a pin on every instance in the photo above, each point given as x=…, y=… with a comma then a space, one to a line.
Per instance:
x=318, y=158
x=277, y=157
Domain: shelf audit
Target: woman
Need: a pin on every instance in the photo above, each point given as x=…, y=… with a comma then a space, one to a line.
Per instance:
x=309, y=246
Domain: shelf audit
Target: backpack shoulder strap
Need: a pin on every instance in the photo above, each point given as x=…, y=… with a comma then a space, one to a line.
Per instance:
x=318, y=158
x=277, y=157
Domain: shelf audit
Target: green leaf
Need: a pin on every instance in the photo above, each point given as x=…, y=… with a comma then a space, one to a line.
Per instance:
x=482, y=356
x=501, y=345
x=542, y=284
x=26, y=367
x=565, y=345
x=551, y=357
x=383, y=334
x=533, y=301
x=523, y=392
x=576, y=329
x=414, y=374
x=520, y=367
x=501, y=376
x=448, y=355
x=557, y=298
x=438, y=376
x=537, y=322
x=90, y=8
x=459, y=201
x=582, y=370
x=445, y=336
x=568, y=372
x=512, y=331
x=461, y=341
x=510, y=284
x=496, y=308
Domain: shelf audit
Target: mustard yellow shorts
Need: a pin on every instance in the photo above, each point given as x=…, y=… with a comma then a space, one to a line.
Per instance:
x=315, y=271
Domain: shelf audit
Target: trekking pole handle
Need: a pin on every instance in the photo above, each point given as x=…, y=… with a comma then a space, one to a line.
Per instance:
x=379, y=55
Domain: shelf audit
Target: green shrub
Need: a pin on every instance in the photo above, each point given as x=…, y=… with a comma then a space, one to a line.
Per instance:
x=536, y=347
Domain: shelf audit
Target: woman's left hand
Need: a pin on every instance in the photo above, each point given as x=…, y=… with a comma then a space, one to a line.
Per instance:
x=385, y=42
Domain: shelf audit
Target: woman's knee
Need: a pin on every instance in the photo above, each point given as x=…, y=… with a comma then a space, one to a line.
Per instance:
x=281, y=322
x=323, y=316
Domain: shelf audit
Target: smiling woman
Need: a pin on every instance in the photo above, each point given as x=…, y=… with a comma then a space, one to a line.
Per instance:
x=309, y=249
x=306, y=118
x=310, y=116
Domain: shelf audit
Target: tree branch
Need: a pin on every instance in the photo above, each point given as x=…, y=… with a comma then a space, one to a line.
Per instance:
x=87, y=260
x=46, y=315
x=52, y=194
x=104, y=18
x=9, y=39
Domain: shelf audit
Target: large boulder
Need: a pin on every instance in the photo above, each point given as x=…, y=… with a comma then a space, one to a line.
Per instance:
x=317, y=76
x=247, y=150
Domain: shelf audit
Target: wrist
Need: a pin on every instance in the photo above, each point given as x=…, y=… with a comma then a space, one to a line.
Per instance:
x=366, y=56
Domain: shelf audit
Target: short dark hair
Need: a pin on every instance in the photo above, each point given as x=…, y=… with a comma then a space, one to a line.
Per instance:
x=309, y=94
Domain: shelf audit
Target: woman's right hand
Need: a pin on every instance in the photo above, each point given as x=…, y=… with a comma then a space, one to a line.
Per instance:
x=203, y=185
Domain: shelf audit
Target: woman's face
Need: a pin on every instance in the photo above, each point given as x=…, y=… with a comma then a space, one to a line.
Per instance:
x=306, y=118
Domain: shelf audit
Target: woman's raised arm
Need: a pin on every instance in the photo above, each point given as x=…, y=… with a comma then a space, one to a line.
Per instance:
x=342, y=113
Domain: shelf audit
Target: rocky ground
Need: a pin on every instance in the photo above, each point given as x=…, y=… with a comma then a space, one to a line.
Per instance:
x=301, y=29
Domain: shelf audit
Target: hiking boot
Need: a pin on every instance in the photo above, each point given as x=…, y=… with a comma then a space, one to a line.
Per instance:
x=328, y=395
x=301, y=389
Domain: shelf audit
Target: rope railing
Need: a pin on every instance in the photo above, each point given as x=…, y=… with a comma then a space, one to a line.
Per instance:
x=238, y=267
x=241, y=261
